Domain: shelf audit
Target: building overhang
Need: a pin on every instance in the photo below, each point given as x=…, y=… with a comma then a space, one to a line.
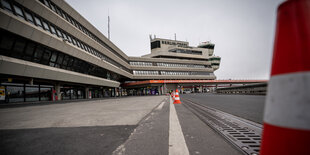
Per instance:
x=136, y=83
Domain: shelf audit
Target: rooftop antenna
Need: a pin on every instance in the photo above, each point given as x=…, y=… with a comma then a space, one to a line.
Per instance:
x=150, y=37
x=108, y=25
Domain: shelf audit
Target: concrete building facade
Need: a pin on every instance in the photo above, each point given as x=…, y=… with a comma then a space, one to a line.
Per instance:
x=48, y=51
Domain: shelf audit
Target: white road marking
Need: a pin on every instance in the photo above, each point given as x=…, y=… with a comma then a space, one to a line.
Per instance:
x=177, y=144
x=160, y=106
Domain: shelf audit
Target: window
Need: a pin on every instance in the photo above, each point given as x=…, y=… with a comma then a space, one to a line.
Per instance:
x=65, y=36
x=73, y=41
x=53, y=30
x=59, y=60
x=46, y=3
x=53, y=59
x=29, y=51
x=70, y=63
x=82, y=46
x=18, y=48
x=38, y=21
x=53, y=7
x=46, y=57
x=65, y=62
x=59, y=34
x=7, y=42
x=155, y=44
x=6, y=5
x=69, y=39
x=78, y=43
x=38, y=54
x=45, y=26
x=18, y=11
x=29, y=17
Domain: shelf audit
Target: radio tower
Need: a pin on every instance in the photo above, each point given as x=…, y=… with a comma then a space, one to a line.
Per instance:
x=108, y=25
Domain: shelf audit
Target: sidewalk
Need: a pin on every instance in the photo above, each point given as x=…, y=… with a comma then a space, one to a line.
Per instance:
x=86, y=127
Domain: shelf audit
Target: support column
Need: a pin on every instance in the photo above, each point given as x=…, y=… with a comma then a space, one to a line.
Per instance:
x=87, y=93
x=57, y=90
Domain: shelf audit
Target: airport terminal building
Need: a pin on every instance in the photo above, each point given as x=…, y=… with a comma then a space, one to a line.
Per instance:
x=48, y=52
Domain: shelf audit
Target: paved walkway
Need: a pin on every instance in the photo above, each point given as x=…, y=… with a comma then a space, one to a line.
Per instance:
x=85, y=127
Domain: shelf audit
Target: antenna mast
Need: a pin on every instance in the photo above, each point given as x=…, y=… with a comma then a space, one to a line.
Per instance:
x=108, y=25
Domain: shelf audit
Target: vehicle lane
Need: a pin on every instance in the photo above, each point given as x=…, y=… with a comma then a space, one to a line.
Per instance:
x=249, y=107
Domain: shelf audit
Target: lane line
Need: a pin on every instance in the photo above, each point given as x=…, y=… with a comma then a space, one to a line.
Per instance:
x=160, y=106
x=177, y=144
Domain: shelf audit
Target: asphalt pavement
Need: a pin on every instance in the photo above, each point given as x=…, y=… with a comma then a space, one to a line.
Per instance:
x=249, y=107
x=90, y=127
x=121, y=126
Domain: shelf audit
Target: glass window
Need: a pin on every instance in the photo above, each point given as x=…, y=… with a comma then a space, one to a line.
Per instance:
x=73, y=41
x=38, y=21
x=53, y=30
x=46, y=57
x=59, y=34
x=18, y=48
x=70, y=63
x=18, y=11
x=57, y=10
x=32, y=94
x=60, y=58
x=38, y=54
x=53, y=59
x=29, y=17
x=78, y=43
x=45, y=94
x=82, y=46
x=6, y=5
x=46, y=3
x=69, y=39
x=65, y=16
x=64, y=34
x=53, y=7
x=45, y=26
x=29, y=51
x=65, y=62
x=6, y=42
x=15, y=93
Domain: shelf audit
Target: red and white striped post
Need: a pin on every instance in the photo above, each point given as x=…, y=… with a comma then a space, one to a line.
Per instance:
x=287, y=111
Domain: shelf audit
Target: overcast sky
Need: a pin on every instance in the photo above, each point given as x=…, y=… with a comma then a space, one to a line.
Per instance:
x=242, y=30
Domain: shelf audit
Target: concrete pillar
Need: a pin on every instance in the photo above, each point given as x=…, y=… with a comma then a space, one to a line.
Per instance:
x=159, y=90
x=200, y=89
x=87, y=93
x=57, y=89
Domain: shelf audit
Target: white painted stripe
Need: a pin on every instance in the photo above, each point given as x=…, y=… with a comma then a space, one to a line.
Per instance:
x=288, y=101
x=160, y=106
x=177, y=144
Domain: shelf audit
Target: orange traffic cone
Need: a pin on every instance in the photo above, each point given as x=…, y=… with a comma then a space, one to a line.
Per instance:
x=177, y=97
x=286, y=117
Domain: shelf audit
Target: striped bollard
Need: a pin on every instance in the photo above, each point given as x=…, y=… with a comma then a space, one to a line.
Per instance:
x=287, y=110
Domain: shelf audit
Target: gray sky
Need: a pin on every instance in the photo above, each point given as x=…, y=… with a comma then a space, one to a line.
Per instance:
x=242, y=30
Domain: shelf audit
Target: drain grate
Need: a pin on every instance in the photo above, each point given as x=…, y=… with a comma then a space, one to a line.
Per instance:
x=244, y=134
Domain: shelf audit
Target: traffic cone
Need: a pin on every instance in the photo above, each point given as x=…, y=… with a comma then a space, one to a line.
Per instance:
x=177, y=97
x=287, y=110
